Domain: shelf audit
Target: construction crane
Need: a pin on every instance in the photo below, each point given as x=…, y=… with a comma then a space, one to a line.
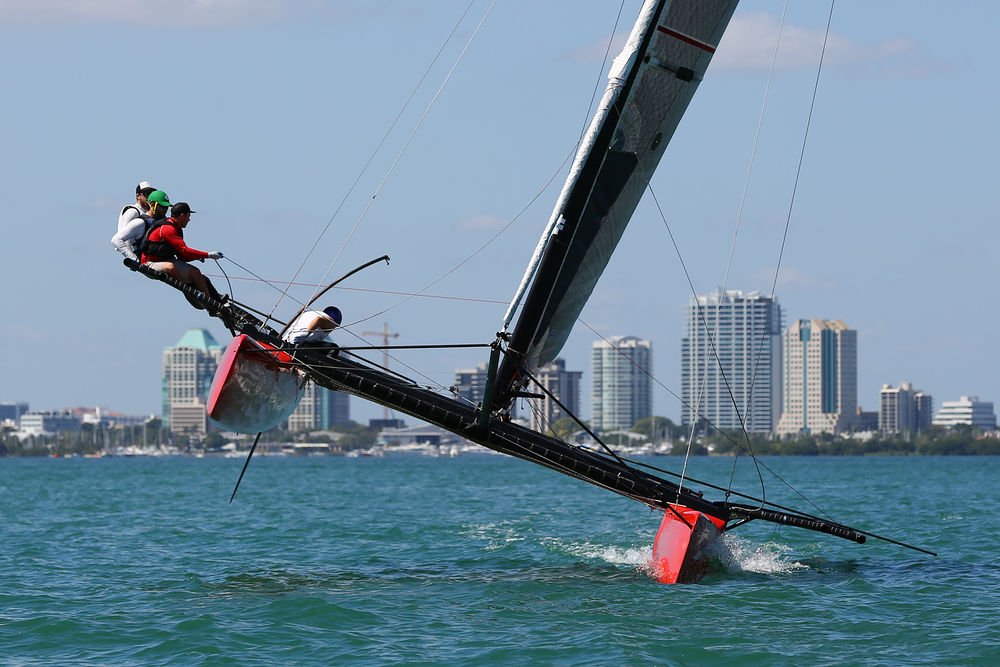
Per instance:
x=385, y=353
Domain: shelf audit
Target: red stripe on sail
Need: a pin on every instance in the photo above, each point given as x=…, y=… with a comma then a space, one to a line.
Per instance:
x=684, y=38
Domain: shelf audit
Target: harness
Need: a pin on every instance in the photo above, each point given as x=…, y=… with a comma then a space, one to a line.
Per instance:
x=160, y=249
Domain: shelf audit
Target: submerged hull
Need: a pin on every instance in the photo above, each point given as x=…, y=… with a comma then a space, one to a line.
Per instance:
x=255, y=388
x=679, y=552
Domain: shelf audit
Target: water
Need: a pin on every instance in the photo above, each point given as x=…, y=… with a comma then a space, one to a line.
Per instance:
x=480, y=560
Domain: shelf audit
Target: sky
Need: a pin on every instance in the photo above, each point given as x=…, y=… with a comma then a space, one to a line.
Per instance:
x=275, y=121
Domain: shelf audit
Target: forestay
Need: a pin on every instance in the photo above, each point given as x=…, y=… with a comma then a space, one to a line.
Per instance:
x=650, y=85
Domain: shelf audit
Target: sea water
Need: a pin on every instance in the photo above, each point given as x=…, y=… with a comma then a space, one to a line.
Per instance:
x=483, y=560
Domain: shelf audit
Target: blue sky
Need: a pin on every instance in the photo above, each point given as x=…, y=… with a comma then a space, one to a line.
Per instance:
x=262, y=114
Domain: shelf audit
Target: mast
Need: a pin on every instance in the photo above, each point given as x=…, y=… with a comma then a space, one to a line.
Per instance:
x=650, y=86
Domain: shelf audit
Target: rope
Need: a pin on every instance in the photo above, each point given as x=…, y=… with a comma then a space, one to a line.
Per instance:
x=527, y=206
x=378, y=148
x=406, y=145
x=478, y=251
x=725, y=281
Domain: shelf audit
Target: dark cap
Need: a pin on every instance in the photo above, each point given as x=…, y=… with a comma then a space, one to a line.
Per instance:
x=334, y=314
x=180, y=208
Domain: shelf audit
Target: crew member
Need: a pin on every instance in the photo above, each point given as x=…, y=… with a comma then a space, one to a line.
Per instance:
x=164, y=250
x=133, y=222
x=313, y=326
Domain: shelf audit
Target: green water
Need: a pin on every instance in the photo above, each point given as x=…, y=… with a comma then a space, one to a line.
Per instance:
x=481, y=560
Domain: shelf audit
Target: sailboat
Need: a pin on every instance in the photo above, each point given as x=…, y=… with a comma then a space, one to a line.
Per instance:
x=650, y=85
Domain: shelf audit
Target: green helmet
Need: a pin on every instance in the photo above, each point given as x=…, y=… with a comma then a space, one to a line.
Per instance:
x=158, y=197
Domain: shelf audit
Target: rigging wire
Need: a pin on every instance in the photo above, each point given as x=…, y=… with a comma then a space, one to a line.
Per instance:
x=798, y=170
x=696, y=409
x=409, y=139
x=531, y=202
x=269, y=283
x=738, y=445
x=481, y=248
x=370, y=291
x=725, y=282
x=231, y=295
x=378, y=148
x=597, y=82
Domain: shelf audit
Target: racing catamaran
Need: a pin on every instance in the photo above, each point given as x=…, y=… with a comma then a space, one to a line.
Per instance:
x=651, y=82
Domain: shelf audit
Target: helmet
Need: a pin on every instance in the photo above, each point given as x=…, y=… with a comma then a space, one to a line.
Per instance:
x=334, y=314
x=158, y=197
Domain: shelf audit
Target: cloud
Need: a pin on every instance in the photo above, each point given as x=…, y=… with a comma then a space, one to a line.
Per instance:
x=748, y=45
x=103, y=204
x=792, y=279
x=173, y=13
x=595, y=52
x=487, y=222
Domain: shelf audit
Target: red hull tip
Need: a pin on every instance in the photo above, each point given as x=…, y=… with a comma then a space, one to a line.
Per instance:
x=255, y=387
x=678, y=550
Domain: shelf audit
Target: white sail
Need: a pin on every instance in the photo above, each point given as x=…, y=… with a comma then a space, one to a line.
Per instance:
x=650, y=85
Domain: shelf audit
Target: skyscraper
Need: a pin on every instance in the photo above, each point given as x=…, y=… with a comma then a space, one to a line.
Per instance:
x=820, y=378
x=903, y=409
x=320, y=408
x=621, y=392
x=188, y=369
x=471, y=382
x=564, y=385
x=731, y=361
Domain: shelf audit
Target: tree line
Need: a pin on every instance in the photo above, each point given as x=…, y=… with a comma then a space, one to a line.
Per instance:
x=934, y=441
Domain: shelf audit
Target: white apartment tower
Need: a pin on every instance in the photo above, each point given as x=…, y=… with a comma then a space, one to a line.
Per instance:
x=731, y=361
x=564, y=385
x=188, y=370
x=820, y=378
x=622, y=386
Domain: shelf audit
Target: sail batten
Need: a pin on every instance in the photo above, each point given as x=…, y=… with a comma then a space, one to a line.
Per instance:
x=650, y=85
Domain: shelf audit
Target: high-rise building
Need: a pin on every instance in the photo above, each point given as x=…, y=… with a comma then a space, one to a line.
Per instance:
x=471, y=382
x=903, y=409
x=820, y=378
x=621, y=392
x=188, y=369
x=12, y=411
x=925, y=410
x=731, y=361
x=968, y=411
x=320, y=408
x=565, y=386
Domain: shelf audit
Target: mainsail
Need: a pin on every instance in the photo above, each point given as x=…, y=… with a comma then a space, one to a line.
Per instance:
x=650, y=85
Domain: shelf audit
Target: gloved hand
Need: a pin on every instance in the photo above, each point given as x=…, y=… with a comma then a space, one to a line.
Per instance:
x=215, y=254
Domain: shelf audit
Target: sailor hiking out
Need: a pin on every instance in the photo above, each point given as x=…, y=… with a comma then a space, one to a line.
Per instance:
x=133, y=221
x=164, y=250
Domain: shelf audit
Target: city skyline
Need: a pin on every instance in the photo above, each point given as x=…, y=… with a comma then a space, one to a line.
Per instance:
x=469, y=383
x=892, y=218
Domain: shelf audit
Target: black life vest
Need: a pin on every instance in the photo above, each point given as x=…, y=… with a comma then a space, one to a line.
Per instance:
x=160, y=249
